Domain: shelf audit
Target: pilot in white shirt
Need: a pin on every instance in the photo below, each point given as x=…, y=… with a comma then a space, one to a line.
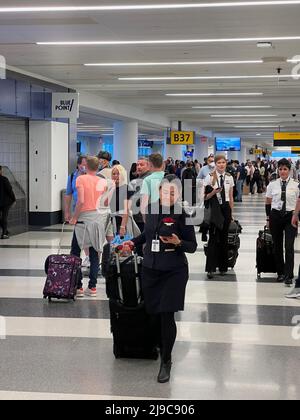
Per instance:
x=281, y=201
x=219, y=194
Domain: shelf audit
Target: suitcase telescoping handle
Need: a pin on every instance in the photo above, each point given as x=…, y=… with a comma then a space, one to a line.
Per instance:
x=136, y=270
x=62, y=233
x=61, y=236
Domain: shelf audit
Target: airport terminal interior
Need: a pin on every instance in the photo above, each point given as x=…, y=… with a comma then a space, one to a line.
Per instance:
x=189, y=83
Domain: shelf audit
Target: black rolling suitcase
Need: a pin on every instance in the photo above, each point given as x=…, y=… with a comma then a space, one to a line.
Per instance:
x=133, y=334
x=265, y=256
x=234, y=243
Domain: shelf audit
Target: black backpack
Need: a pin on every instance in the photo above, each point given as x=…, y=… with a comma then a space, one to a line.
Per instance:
x=256, y=173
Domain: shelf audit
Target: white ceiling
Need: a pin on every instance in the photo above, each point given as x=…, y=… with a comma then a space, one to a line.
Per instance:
x=20, y=32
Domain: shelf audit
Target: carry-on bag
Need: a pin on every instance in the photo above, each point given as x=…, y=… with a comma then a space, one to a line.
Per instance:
x=123, y=278
x=63, y=274
x=133, y=333
x=265, y=256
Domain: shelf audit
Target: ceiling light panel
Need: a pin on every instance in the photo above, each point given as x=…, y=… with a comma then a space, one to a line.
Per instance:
x=174, y=63
x=243, y=116
x=232, y=107
x=215, y=94
x=169, y=41
x=137, y=7
x=265, y=76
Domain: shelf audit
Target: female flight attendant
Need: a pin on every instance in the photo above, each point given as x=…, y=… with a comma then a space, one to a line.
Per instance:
x=281, y=201
x=219, y=195
x=165, y=266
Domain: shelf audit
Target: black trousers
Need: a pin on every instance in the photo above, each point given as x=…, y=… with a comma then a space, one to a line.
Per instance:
x=258, y=182
x=281, y=226
x=3, y=219
x=217, y=252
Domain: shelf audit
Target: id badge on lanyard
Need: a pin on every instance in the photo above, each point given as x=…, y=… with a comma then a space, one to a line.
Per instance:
x=156, y=245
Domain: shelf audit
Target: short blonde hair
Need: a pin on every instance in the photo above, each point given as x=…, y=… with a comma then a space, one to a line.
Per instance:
x=122, y=174
x=93, y=163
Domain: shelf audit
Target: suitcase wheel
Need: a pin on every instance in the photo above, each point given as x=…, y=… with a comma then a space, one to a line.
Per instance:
x=258, y=276
x=49, y=299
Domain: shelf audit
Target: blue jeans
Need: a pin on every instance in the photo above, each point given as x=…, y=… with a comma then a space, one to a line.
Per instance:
x=94, y=260
x=239, y=188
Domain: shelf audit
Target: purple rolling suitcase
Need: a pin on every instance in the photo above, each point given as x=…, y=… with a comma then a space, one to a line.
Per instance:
x=63, y=273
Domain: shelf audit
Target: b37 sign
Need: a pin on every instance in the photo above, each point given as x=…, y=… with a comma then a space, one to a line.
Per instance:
x=182, y=137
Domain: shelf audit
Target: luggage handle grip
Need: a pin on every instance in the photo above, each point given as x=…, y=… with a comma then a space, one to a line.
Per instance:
x=137, y=277
x=62, y=233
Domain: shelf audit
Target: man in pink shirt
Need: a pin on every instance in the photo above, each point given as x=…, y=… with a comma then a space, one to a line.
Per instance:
x=90, y=233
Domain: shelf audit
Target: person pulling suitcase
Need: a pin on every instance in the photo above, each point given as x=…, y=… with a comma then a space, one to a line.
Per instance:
x=91, y=231
x=281, y=200
x=165, y=267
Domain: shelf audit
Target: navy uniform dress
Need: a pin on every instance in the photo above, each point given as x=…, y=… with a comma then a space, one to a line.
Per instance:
x=166, y=273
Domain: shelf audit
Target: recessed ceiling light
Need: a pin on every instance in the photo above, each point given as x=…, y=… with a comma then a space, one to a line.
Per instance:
x=232, y=107
x=264, y=44
x=258, y=134
x=215, y=94
x=169, y=41
x=265, y=76
x=294, y=60
x=147, y=6
x=175, y=63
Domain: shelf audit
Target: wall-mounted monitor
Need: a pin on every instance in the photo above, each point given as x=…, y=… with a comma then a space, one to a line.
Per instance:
x=228, y=144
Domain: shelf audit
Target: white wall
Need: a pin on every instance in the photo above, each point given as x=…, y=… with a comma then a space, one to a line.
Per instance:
x=48, y=165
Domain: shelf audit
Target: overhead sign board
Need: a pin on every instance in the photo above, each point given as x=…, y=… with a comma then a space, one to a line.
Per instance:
x=65, y=105
x=287, y=139
x=182, y=137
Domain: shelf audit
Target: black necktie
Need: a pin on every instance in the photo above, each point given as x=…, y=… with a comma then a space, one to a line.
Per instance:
x=223, y=190
x=283, y=196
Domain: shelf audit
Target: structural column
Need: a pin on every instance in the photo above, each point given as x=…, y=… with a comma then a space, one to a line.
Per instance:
x=48, y=171
x=72, y=145
x=126, y=143
x=172, y=150
x=243, y=154
x=201, y=148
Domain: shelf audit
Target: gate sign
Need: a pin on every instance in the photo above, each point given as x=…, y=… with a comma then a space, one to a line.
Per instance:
x=286, y=139
x=65, y=105
x=182, y=137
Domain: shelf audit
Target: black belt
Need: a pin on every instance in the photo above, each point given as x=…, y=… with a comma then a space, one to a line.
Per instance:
x=281, y=213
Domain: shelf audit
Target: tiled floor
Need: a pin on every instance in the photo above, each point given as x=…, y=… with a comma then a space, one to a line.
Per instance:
x=235, y=338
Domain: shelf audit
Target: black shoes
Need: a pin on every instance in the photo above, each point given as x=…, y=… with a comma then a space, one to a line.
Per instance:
x=288, y=281
x=4, y=237
x=165, y=372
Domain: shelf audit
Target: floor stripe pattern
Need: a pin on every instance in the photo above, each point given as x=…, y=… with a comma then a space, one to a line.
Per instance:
x=238, y=337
